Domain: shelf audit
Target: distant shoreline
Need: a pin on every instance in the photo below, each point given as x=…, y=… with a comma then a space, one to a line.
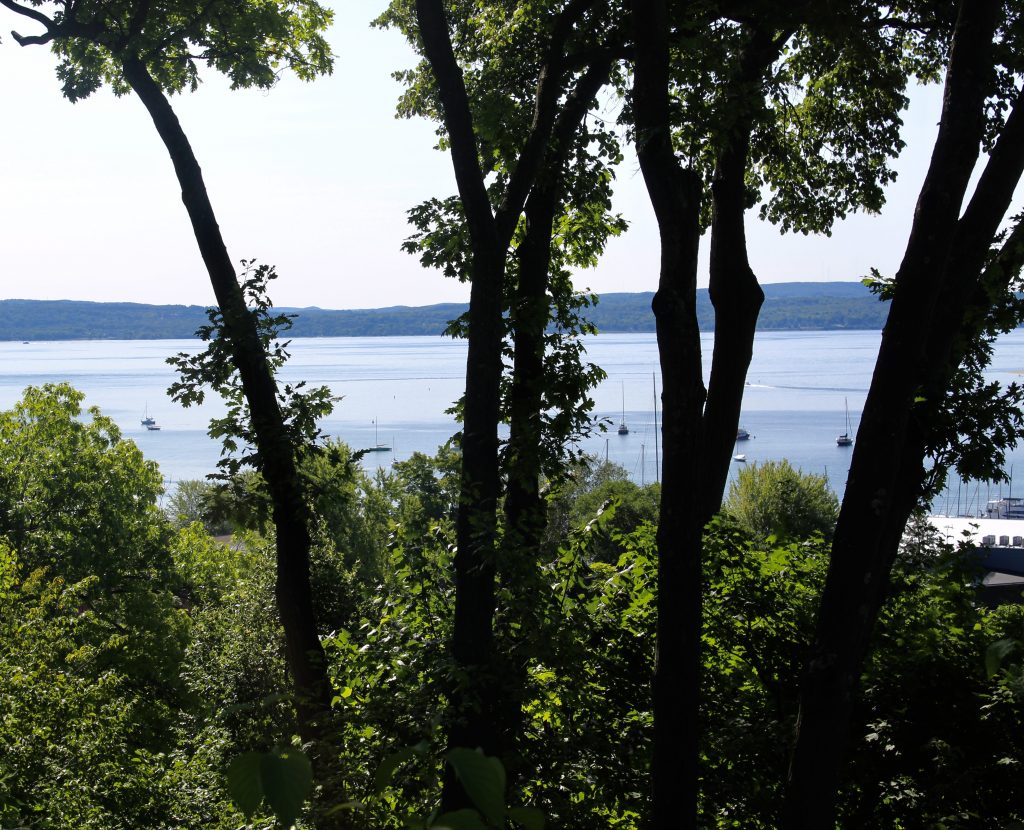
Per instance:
x=826, y=306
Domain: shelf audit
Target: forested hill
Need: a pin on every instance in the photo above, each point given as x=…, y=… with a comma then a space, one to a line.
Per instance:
x=794, y=305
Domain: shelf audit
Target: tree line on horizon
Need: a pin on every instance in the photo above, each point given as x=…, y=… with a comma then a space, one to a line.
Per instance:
x=815, y=307
x=790, y=107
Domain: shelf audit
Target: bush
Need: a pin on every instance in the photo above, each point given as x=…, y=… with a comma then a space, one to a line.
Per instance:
x=774, y=499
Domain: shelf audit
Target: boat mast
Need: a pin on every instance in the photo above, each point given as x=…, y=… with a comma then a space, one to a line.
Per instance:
x=657, y=463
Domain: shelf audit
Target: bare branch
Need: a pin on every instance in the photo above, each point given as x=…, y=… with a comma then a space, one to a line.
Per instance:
x=31, y=14
x=32, y=40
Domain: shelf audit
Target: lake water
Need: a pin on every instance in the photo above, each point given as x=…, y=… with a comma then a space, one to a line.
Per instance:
x=793, y=406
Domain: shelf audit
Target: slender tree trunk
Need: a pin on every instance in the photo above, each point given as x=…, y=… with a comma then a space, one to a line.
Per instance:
x=877, y=501
x=474, y=699
x=293, y=591
x=737, y=299
x=525, y=509
x=675, y=195
x=478, y=701
x=530, y=314
x=734, y=290
x=277, y=455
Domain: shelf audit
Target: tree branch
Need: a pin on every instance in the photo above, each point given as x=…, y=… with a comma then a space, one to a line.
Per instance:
x=577, y=104
x=458, y=118
x=549, y=87
x=32, y=40
x=32, y=14
x=139, y=16
x=28, y=12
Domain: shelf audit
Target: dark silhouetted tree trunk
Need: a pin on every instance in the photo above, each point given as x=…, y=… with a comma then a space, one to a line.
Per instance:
x=675, y=195
x=479, y=706
x=733, y=288
x=944, y=258
x=524, y=507
x=474, y=702
x=276, y=453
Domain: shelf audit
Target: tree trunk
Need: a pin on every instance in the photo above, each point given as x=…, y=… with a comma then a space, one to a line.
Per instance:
x=479, y=700
x=733, y=288
x=525, y=509
x=277, y=462
x=675, y=196
x=474, y=699
x=878, y=497
x=276, y=453
x=737, y=299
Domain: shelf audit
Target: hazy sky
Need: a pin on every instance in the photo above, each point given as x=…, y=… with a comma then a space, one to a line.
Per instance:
x=314, y=178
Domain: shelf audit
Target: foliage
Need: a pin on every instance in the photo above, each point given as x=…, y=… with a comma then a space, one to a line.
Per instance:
x=195, y=500
x=95, y=490
x=350, y=515
x=93, y=642
x=247, y=41
x=774, y=499
x=584, y=493
x=281, y=777
x=941, y=742
x=136, y=724
x=300, y=408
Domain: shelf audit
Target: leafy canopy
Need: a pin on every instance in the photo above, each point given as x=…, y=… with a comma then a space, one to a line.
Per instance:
x=249, y=41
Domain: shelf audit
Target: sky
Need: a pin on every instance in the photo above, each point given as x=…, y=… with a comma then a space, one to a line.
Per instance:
x=313, y=178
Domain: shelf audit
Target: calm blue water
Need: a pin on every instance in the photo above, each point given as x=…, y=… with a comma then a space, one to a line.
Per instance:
x=793, y=406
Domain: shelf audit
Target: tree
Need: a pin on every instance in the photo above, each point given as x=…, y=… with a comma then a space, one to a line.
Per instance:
x=77, y=498
x=774, y=499
x=941, y=298
x=91, y=645
x=587, y=493
x=550, y=82
x=155, y=50
x=799, y=97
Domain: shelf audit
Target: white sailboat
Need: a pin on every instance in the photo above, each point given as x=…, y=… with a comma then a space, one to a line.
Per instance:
x=623, y=429
x=148, y=421
x=845, y=440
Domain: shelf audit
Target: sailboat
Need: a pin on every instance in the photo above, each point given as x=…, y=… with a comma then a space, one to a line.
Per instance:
x=623, y=429
x=148, y=421
x=377, y=445
x=845, y=440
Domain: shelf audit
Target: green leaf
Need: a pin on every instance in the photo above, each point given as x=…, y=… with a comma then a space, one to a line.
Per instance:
x=386, y=771
x=287, y=778
x=466, y=819
x=245, y=784
x=483, y=779
x=529, y=817
x=996, y=653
